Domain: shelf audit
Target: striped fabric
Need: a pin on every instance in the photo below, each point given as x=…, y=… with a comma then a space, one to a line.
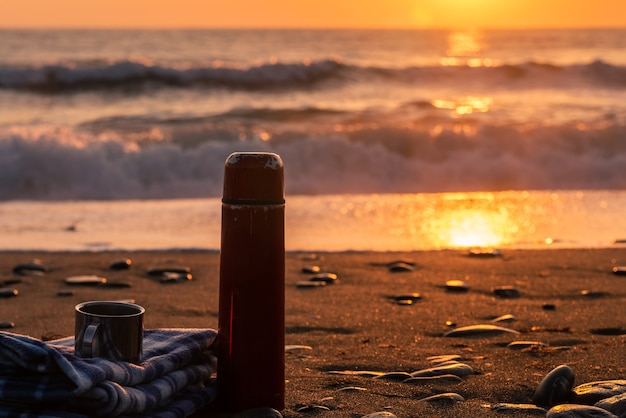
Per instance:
x=45, y=379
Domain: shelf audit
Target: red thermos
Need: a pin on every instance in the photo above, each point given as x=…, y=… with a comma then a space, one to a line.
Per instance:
x=251, y=343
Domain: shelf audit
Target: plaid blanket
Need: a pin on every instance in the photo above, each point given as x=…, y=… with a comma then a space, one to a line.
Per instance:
x=45, y=379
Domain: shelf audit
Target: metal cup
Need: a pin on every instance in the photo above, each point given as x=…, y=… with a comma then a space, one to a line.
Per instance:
x=111, y=330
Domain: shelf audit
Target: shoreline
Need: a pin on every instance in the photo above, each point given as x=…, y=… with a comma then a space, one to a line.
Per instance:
x=568, y=299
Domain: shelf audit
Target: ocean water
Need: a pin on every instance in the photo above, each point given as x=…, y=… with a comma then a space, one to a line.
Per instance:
x=391, y=139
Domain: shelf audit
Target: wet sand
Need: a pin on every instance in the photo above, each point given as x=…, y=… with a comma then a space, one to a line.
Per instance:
x=569, y=299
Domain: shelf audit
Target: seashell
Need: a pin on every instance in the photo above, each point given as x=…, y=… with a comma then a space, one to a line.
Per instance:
x=592, y=392
x=526, y=408
x=444, y=397
x=457, y=369
x=443, y=379
x=479, y=330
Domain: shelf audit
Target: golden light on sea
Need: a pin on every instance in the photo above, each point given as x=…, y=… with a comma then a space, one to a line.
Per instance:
x=470, y=224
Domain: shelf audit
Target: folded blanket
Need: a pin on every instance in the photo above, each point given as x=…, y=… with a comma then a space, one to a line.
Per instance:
x=46, y=379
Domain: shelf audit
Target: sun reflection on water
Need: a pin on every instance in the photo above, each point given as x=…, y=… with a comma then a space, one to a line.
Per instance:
x=468, y=227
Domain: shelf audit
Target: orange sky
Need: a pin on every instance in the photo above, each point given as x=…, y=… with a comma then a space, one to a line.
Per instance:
x=313, y=13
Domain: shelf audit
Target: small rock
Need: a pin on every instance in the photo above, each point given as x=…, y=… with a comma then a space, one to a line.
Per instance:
x=175, y=277
x=458, y=286
x=311, y=269
x=160, y=271
x=34, y=268
x=117, y=283
x=619, y=271
x=609, y=331
x=555, y=387
x=87, y=280
x=413, y=297
x=8, y=292
x=400, y=267
x=122, y=264
x=306, y=284
x=395, y=376
x=615, y=404
x=548, y=307
x=507, y=292
x=6, y=325
x=578, y=411
x=591, y=294
x=65, y=293
x=328, y=278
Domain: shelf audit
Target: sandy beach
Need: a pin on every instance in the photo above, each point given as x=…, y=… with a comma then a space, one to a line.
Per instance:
x=570, y=300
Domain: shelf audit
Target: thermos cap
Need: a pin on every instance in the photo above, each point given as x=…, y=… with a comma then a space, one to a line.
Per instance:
x=254, y=178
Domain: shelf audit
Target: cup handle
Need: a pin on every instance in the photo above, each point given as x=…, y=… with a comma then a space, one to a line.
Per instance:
x=89, y=340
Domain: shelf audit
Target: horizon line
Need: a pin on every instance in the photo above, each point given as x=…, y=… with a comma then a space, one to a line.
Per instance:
x=313, y=28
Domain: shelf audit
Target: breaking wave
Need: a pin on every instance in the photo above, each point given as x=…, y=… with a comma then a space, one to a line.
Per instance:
x=76, y=76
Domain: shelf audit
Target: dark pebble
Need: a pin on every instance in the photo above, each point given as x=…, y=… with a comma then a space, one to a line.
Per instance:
x=123, y=264
x=406, y=298
x=619, y=271
x=403, y=261
x=329, y=278
x=311, y=269
x=555, y=387
x=394, y=376
x=160, y=271
x=65, y=293
x=13, y=281
x=6, y=325
x=507, y=292
x=8, y=292
x=608, y=331
x=34, y=268
x=120, y=284
x=400, y=267
x=592, y=294
x=548, y=307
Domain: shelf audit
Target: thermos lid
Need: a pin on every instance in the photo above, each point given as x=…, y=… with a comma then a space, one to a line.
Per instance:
x=254, y=178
